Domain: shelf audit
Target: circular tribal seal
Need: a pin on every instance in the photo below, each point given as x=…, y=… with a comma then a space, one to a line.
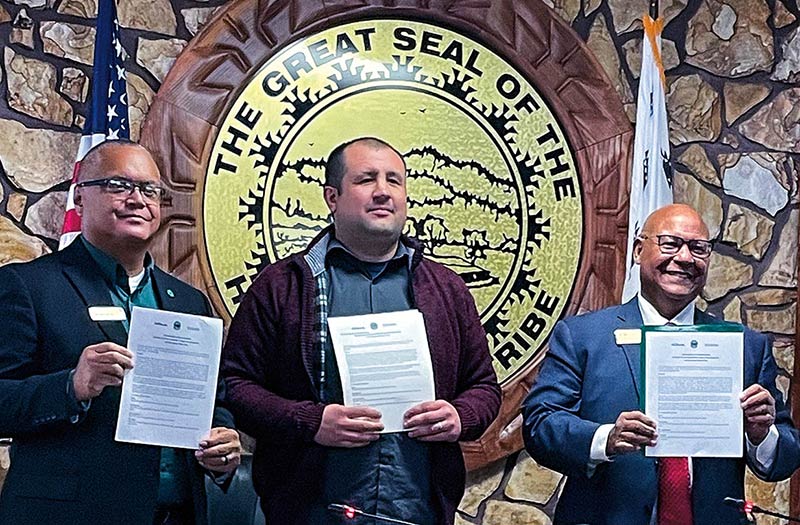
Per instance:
x=493, y=189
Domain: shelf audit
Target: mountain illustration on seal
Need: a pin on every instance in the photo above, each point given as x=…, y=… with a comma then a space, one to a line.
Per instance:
x=466, y=216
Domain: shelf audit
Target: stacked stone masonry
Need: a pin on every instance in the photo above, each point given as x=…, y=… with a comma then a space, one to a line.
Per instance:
x=732, y=70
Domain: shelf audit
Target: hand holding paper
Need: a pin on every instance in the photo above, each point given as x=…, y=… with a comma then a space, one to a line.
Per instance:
x=220, y=451
x=433, y=421
x=632, y=431
x=348, y=427
x=759, y=412
x=99, y=366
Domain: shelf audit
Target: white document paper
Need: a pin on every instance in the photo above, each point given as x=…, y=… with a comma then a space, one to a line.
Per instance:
x=693, y=378
x=168, y=396
x=384, y=362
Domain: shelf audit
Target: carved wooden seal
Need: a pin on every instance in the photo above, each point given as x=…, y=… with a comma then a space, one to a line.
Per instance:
x=516, y=143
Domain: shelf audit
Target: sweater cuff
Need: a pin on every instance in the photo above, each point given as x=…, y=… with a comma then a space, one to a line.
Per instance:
x=308, y=418
x=469, y=422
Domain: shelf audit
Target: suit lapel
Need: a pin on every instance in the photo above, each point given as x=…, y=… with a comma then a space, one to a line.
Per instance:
x=174, y=297
x=700, y=317
x=629, y=317
x=86, y=278
x=167, y=297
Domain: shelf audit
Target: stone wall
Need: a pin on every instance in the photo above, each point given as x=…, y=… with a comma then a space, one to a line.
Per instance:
x=734, y=104
x=733, y=100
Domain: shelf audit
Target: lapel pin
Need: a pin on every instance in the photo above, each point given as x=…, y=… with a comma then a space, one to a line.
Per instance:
x=170, y=293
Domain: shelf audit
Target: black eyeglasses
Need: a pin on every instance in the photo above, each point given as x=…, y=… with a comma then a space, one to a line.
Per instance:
x=672, y=244
x=117, y=186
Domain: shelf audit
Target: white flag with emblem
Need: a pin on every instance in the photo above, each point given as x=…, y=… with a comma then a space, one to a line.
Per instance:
x=651, y=177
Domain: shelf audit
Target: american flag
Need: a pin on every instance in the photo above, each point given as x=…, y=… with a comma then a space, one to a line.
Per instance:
x=108, y=109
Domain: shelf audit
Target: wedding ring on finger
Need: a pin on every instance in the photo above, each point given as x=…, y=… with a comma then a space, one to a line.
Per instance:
x=437, y=427
x=225, y=460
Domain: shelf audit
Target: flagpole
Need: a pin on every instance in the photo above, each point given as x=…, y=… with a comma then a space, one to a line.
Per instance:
x=651, y=174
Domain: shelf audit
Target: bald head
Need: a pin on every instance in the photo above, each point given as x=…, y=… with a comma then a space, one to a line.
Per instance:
x=92, y=165
x=673, y=212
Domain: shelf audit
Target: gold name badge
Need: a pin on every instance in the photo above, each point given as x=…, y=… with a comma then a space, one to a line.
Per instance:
x=106, y=313
x=628, y=336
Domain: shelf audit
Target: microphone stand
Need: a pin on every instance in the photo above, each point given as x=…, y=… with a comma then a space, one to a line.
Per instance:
x=759, y=510
x=351, y=512
x=748, y=509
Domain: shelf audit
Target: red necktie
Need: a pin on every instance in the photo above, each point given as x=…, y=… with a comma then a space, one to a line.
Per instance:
x=674, y=493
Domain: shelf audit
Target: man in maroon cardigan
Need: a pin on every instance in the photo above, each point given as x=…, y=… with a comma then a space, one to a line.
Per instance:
x=284, y=386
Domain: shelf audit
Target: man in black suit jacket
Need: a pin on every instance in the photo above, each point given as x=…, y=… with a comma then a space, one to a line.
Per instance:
x=60, y=369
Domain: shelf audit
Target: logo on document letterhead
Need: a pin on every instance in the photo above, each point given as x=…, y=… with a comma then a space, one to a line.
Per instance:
x=493, y=187
x=176, y=325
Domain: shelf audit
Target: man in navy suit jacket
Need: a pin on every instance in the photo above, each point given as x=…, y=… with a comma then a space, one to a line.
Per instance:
x=582, y=418
x=61, y=366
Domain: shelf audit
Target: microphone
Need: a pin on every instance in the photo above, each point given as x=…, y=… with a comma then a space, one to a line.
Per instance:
x=744, y=507
x=350, y=512
x=736, y=503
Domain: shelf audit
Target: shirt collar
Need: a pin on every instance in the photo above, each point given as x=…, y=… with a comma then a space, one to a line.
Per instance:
x=651, y=317
x=112, y=271
x=317, y=251
x=401, y=252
